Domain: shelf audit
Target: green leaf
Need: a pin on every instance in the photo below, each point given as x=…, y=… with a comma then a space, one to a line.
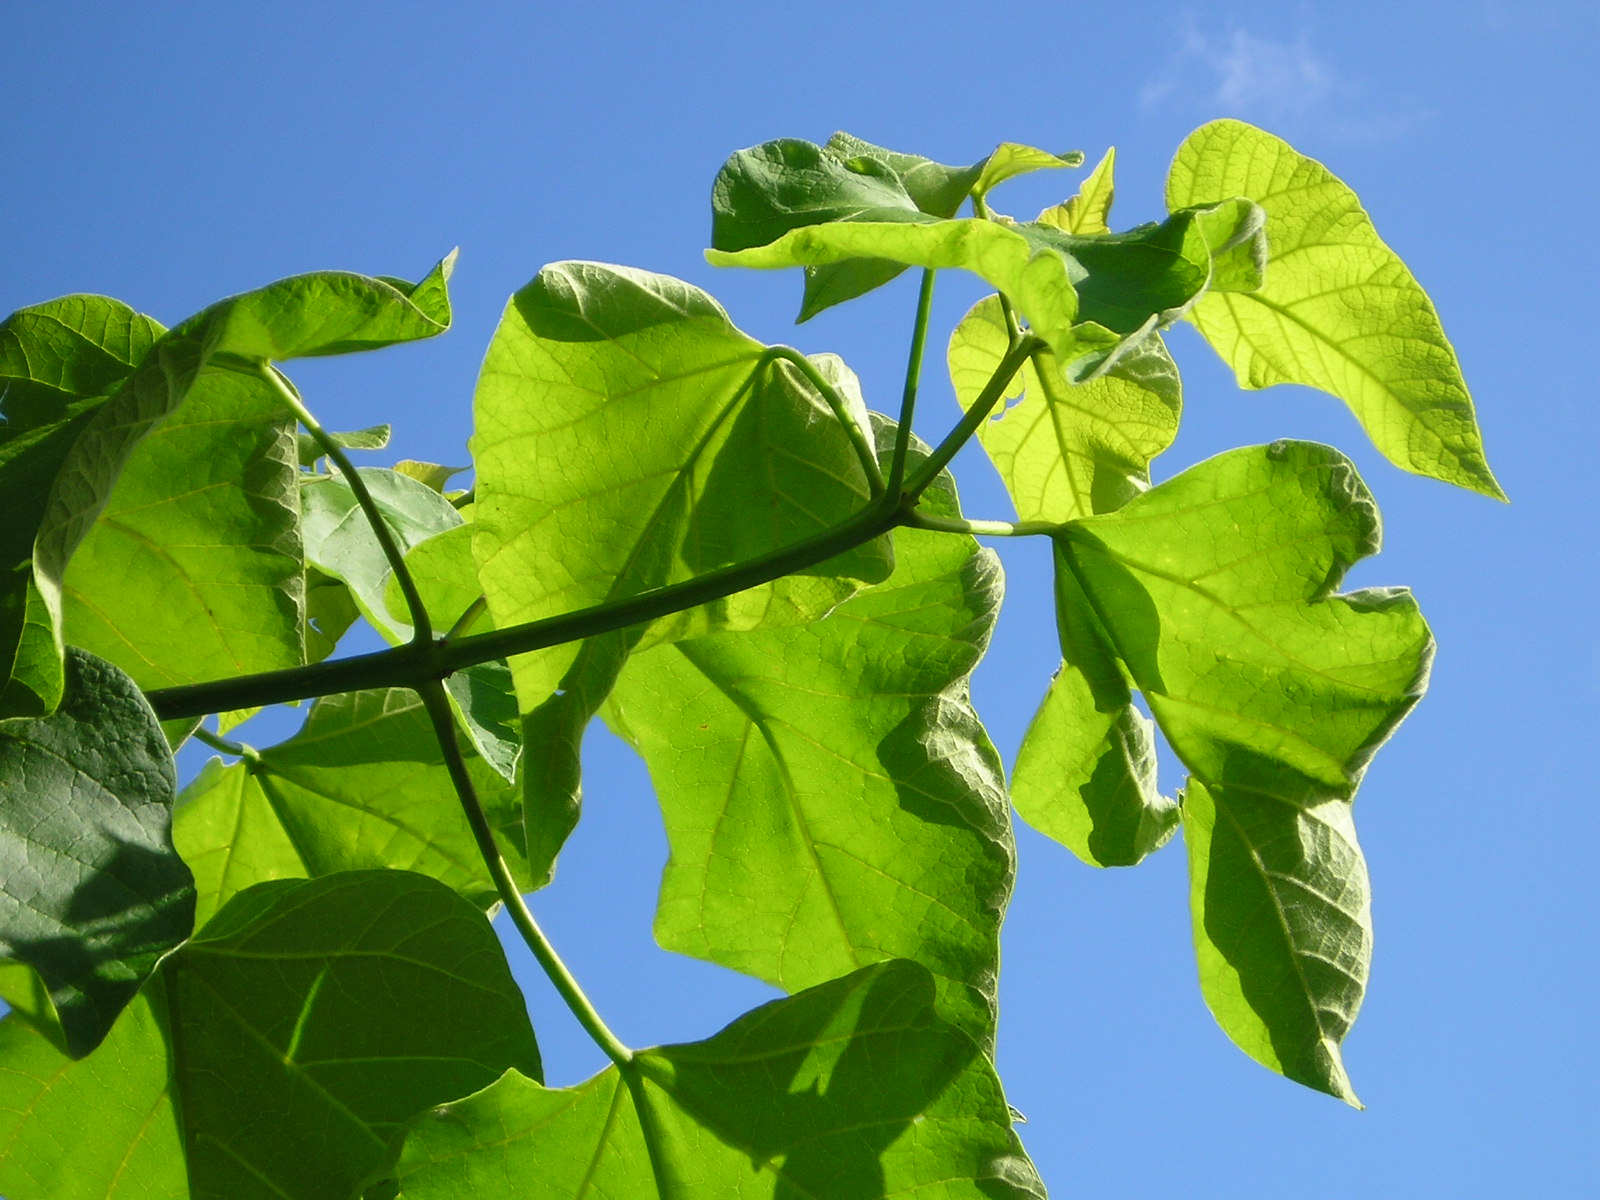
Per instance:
x=765, y=191
x=324, y=313
x=1090, y=210
x=330, y=612
x=340, y=543
x=1086, y=771
x=204, y=515
x=830, y=796
x=432, y=474
x=1215, y=592
x=104, y=1128
x=1339, y=310
x=792, y=1099
x=276, y=1054
x=362, y=786
x=622, y=412
x=1068, y=450
x=373, y=437
x=1082, y=295
x=1085, y=774
x=58, y=363
x=92, y=893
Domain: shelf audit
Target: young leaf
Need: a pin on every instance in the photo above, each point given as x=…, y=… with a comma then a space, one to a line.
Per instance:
x=362, y=786
x=1068, y=450
x=373, y=437
x=830, y=796
x=1339, y=310
x=1090, y=210
x=792, y=1099
x=1215, y=592
x=92, y=893
x=58, y=364
x=1082, y=295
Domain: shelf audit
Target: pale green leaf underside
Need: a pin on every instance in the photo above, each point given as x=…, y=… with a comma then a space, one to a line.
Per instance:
x=363, y=786
x=830, y=796
x=851, y=1089
x=205, y=517
x=627, y=437
x=1215, y=591
x=1339, y=310
x=92, y=893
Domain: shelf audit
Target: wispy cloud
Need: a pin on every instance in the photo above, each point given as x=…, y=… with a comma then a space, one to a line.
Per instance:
x=1275, y=83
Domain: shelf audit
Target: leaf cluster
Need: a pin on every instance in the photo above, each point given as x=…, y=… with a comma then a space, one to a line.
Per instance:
x=282, y=980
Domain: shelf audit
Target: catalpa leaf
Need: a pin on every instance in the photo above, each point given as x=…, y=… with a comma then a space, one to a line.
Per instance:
x=325, y=313
x=340, y=1006
x=622, y=412
x=764, y=192
x=92, y=893
x=1083, y=295
x=1090, y=210
x=1085, y=774
x=794, y=1099
x=373, y=437
x=58, y=363
x=831, y=798
x=363, y=786
x=204, y=515
x=1339, y=310
x=1215, y=591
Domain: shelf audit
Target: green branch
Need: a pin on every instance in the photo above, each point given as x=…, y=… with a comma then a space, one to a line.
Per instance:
x=444, y=728
x=422, y=629
x=921, y=520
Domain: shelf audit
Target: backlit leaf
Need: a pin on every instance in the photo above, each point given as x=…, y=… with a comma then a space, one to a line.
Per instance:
x=830, y=796
x=92, y=893
x=1082, y=294
x=1215, y=590
x=362, y=786
x=1089, y=210
x=1339, y=310
x=852, y=1090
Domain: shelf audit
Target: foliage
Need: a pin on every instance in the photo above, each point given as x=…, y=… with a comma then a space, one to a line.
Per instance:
x=281, y=981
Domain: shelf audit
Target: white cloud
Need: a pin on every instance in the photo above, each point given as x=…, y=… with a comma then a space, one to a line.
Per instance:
x=1272, y=83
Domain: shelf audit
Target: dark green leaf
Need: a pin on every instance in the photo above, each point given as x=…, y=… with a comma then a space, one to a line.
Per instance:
x=92, y=893
x=1339, y=310
x=830, y=796
x=853, y=1090
x=362, y=786
x=1215, y=590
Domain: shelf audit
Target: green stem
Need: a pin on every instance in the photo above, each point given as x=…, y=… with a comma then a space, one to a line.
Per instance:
x=220, y=743
x=841, y=410
x=422, y=630
x=438, y=708
x=464, y=622
x=921, y=520
x=908, y=397
x=928, y=470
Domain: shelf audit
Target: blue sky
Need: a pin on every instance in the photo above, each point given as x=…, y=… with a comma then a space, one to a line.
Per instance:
x=170, y=154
